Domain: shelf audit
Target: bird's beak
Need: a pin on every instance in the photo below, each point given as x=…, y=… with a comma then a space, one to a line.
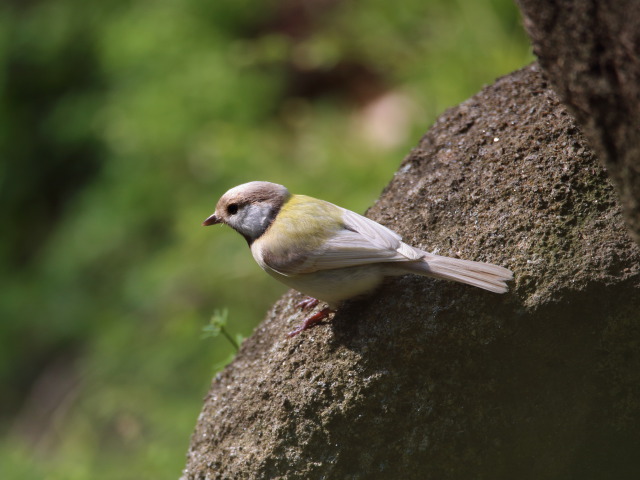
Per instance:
x=211, y=220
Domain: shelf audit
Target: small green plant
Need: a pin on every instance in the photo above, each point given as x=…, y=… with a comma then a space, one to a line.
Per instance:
x=216, y=326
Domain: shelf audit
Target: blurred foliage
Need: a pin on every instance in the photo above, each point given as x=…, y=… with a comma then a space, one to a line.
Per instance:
x=121, y=123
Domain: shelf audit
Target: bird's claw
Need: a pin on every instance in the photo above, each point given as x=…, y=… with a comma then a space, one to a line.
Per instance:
x=311, y=321
x=306, y=303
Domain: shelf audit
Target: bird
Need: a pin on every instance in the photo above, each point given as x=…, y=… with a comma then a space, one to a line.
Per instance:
x=330, y=253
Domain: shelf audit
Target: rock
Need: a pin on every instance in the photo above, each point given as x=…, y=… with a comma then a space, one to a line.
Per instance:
x=428, y=379
x=589, y=50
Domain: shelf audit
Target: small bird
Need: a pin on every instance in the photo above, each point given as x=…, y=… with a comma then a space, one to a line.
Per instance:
x=330, y=253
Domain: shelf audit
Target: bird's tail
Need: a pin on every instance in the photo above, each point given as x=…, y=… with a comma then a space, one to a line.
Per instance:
x=482, y=275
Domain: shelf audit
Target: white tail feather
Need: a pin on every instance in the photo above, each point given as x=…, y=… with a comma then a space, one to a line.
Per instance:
x=482, y=275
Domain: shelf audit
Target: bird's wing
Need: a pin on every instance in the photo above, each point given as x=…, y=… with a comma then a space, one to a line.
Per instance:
x=359, y=241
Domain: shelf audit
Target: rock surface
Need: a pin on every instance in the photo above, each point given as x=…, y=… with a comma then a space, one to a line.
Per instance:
x=428, y=379
x=590, y=50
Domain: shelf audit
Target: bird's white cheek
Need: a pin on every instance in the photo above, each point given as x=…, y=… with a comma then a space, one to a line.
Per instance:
x=253, y=220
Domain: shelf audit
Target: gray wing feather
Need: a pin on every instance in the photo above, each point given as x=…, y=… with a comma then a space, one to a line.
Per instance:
x=381, y=236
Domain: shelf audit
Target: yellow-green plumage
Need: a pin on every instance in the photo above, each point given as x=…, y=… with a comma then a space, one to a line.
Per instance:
x=303, y=224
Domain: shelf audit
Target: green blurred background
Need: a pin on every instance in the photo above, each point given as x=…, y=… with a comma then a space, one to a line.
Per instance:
x=121, y=123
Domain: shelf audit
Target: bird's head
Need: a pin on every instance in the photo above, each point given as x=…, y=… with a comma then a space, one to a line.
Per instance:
x=249, y=208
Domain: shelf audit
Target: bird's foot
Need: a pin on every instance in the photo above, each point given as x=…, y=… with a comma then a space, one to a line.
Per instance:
x=311, y=321
x=308, y=302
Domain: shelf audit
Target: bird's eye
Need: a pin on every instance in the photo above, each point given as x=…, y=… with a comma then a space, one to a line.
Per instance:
x=232, y=209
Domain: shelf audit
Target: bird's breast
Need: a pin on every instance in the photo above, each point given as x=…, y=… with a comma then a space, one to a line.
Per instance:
x=298, y=233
